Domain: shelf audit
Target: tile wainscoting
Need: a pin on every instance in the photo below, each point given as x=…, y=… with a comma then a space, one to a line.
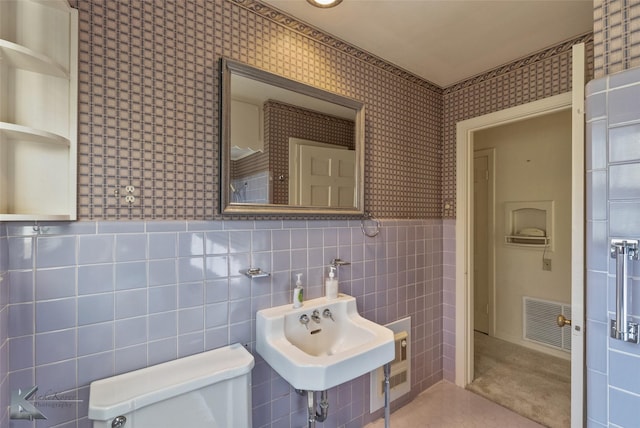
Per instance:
x=88, y=300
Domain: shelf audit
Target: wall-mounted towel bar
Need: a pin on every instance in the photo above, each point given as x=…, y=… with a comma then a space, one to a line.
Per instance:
x=623, y=250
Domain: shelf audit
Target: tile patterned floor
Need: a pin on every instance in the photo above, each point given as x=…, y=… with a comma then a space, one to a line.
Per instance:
x=445, y=405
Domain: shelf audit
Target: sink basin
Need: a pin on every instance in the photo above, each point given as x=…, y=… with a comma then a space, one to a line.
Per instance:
x=320, y=355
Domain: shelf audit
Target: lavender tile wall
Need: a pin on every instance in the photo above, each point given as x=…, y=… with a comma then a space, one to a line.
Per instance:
x=449, y=299
x=4, y=327
x=613, y=207
x=150, y=292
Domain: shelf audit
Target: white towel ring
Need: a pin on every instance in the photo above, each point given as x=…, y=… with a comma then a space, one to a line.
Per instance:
x=376, y=222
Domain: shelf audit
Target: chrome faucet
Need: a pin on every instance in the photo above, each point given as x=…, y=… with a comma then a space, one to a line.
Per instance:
x=327, y=314
x=315, y=315
x=304, y=320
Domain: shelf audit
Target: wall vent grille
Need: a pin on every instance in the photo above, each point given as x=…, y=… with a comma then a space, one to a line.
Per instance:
x=400, y=379
x=540, y=323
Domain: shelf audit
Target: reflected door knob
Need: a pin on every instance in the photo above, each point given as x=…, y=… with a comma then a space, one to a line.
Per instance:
x=562, y=321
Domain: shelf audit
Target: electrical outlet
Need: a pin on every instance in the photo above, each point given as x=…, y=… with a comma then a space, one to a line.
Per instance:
x=546, y=264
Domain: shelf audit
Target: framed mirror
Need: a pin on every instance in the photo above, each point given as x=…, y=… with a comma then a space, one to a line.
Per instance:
x=287, y=147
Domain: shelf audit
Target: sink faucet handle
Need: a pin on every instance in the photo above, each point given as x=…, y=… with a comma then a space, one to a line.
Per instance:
x=304, y=320
x=316, y=316
x=327, y=314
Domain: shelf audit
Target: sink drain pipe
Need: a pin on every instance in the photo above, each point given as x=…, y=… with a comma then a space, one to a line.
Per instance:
x=387, y=395
x=314, y=415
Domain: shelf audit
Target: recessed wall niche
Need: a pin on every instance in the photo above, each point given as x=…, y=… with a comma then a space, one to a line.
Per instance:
x=529, y=224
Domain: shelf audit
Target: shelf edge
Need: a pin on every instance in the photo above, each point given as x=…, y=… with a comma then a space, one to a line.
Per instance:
x=27, y=59
x=12, y=131
x=35, y=217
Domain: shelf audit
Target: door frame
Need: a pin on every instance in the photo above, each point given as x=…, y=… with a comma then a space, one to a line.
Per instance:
x=464, y=239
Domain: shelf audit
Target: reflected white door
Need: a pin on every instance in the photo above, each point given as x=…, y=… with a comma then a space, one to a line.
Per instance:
x=327, y=177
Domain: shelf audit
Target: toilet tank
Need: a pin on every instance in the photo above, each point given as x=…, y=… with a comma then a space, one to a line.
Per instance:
x=211, y=389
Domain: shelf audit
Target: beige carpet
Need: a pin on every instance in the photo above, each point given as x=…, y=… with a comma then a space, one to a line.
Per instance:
x=531, y=383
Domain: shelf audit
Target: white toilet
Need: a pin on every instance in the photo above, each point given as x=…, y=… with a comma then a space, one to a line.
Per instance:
x=211, y=389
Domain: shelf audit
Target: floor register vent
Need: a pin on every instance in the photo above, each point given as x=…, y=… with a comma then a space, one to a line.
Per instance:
x=400, y=380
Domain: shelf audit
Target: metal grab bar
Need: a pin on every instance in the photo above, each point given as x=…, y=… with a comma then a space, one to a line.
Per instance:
x=623, y=250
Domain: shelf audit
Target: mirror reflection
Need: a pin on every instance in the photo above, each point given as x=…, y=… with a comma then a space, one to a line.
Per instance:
x=288, y=147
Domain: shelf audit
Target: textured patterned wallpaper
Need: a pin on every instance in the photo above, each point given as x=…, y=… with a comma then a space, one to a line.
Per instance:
x=537, y=76
x=616, y=31
x=249, y=165
x=149, y=94
x=149, y=106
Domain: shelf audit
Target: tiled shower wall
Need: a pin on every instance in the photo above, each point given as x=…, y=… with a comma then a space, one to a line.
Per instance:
x=148, y=89
x=613, y=208
x=613, y=167
x=89, y=300
x=4, y=328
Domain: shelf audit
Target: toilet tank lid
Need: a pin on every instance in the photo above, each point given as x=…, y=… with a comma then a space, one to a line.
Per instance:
x=119, y=395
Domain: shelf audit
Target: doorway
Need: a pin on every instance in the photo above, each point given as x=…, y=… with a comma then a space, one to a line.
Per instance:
x=464, y=233
x=464, y=240
x=522, y=189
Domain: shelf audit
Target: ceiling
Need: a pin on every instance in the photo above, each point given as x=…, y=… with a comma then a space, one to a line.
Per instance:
x=446, y=41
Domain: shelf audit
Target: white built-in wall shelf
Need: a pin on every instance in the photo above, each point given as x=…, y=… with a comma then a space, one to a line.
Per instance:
x=17, y=132
x=246, y=128
x=18, y=56
x=38, y=110
x=54, y=4
x=529, y=224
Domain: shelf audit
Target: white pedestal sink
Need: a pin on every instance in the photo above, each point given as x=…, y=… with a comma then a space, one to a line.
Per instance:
x=327, y=350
